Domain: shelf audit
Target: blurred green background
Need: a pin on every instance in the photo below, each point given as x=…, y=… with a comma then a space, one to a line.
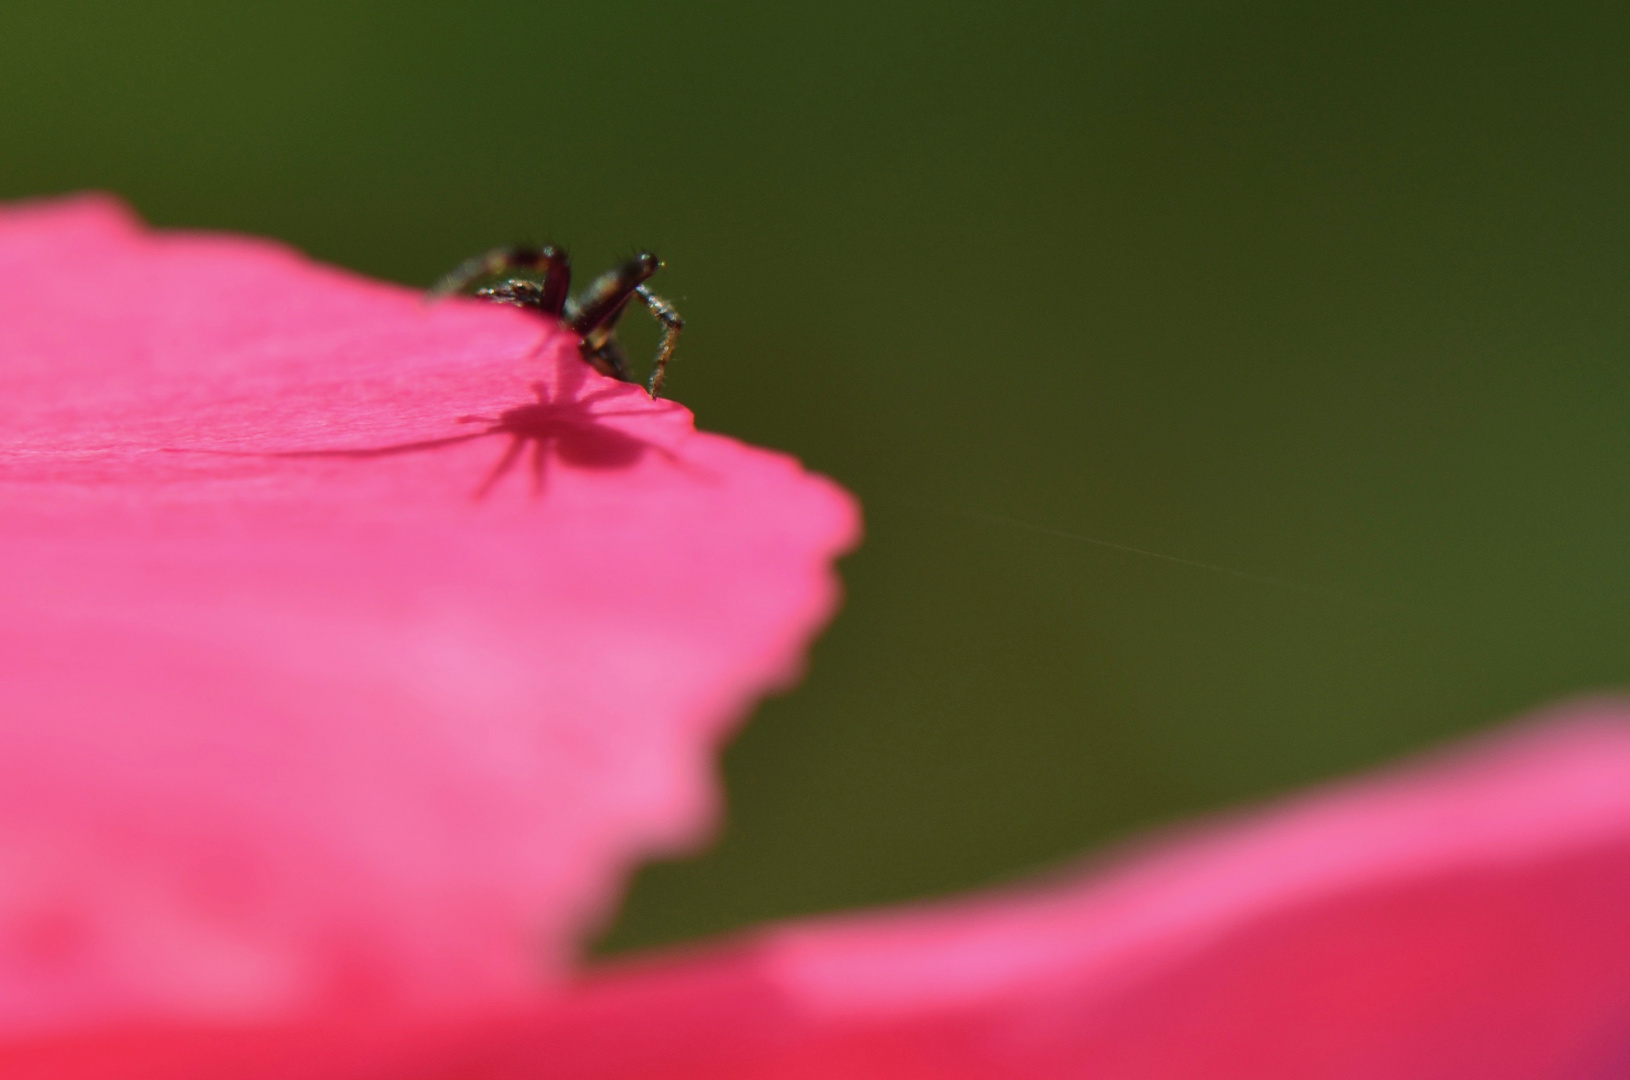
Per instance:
x=1335, y=298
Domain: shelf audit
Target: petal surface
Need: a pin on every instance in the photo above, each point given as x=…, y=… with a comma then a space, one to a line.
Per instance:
x=1462, y=917
x=351, y=648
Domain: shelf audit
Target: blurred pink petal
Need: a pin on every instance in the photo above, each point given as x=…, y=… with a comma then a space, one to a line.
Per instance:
x=1464, y=917
x=291, y=727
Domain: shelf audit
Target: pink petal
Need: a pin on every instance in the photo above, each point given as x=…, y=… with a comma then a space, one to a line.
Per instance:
x=326, y=733
x=1460, y=918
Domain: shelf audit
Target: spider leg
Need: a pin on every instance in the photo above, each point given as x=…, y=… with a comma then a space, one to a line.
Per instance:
x=549, y=296
x=505, y=463
x=608, y=358
x=600, y=305
x=594, y=315
x=672, y=324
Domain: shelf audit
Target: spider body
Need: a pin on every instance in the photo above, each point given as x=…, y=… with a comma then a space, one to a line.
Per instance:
x=592, y=314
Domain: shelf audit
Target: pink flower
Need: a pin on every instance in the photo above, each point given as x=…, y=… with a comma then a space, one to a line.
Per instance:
x=308, y=756
x=295, y=723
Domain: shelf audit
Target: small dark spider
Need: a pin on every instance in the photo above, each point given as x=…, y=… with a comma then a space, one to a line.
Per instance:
x=592, y=315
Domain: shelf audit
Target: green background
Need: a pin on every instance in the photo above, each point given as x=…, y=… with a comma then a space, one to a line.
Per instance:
x=1332, y=298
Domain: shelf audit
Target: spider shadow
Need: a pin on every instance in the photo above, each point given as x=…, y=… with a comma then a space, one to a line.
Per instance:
x=563, y=429
x=557, y=426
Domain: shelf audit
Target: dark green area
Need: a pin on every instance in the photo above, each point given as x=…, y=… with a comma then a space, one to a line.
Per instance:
x=1334, y=296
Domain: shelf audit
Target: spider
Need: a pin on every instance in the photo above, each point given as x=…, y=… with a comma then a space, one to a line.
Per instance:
x=592, y=314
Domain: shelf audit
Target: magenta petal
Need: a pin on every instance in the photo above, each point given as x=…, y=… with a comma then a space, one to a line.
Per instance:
x=292, y=721
x=1460, y=919
x=1465, y=917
